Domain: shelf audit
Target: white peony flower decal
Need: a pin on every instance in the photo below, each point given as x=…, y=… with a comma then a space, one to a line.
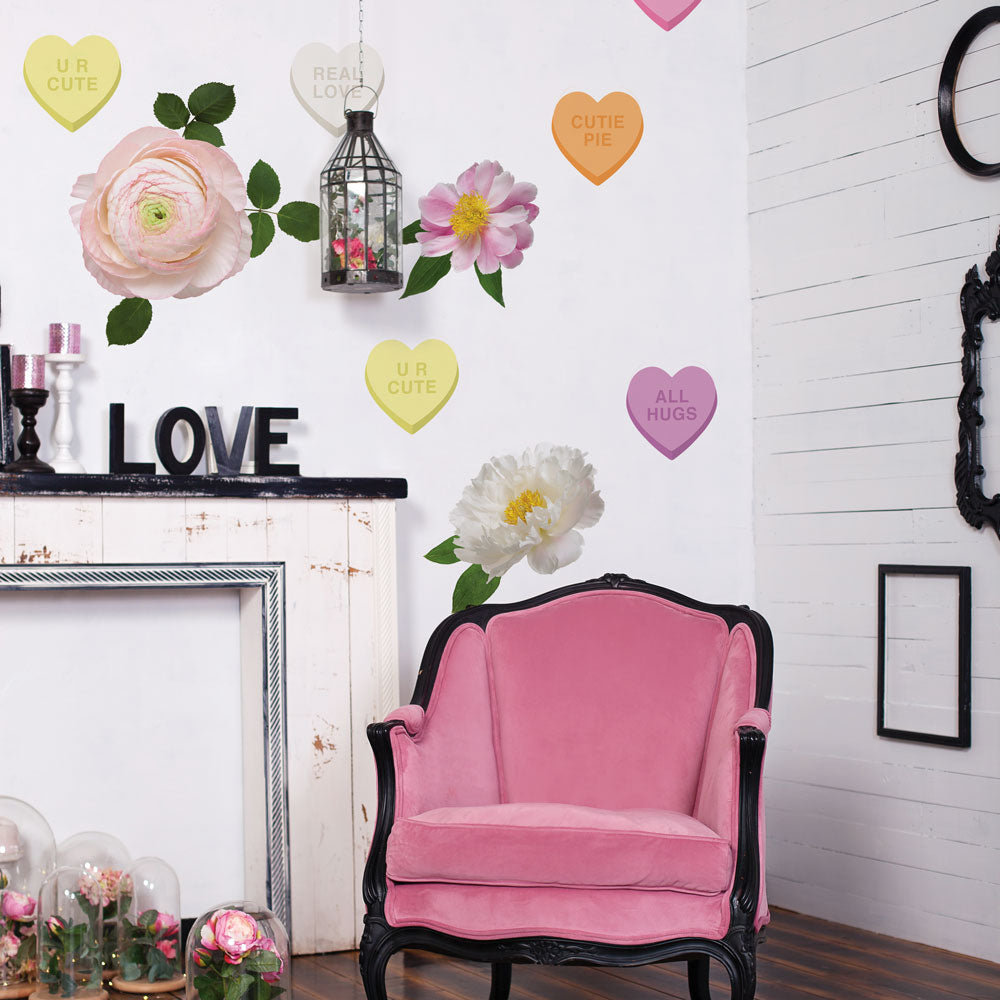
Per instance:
x=530, y=507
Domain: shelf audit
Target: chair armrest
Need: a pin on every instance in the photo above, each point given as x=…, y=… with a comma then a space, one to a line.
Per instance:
x=412, y=717
x=758, y=718
x=373, y=885
x=747, y=880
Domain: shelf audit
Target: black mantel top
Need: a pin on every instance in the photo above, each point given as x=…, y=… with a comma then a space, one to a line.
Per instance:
x=33, y=484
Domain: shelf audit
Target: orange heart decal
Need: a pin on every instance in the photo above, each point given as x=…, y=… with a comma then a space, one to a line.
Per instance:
x=597, y=137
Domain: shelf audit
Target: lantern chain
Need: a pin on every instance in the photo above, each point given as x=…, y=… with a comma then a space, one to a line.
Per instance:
x=361, y=42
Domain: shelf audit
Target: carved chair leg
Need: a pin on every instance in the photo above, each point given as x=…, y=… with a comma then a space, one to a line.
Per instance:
x=376, y=949
x=500, y=988
x=698, y=978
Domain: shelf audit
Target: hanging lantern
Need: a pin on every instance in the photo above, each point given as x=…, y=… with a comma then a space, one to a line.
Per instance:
x=360, y=192
x=359, y=199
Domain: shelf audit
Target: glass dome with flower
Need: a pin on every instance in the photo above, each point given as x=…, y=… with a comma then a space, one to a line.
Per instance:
x=149, y=931
x=238, y=951
x=27, y=855
x=70, y=935
x=105, y=858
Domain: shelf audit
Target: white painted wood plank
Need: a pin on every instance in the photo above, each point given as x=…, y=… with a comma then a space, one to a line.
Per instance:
x=7, y=546
x=143, y=530
x=57, y=530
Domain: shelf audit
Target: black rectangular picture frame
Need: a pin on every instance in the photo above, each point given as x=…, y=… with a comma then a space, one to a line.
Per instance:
x=6, y=408
x=964, y=576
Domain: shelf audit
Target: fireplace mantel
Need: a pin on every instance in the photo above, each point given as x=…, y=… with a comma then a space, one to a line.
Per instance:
x=336, y=541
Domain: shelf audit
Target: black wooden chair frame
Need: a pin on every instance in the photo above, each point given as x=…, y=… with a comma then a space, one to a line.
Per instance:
x=736, y=951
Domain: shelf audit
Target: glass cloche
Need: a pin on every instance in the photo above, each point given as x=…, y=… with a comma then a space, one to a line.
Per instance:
x=70, y=936
x=27, y=856
x=149, y=934
x=105, y=858
x=238, y=951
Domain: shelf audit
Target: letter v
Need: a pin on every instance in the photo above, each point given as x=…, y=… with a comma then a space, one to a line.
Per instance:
x=229, y=462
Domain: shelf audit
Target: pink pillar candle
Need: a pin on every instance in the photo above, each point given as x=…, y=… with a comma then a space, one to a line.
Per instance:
x=27, y=371
x=64, y=338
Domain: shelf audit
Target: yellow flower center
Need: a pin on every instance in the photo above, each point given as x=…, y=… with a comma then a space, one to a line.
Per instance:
x=155, y=214
x=470, y=216
x=521, y=506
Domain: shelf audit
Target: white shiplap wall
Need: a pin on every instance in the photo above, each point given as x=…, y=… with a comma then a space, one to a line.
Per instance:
x=861, y=231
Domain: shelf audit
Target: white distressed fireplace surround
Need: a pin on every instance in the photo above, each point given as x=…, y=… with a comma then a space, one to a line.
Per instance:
x=316, y=576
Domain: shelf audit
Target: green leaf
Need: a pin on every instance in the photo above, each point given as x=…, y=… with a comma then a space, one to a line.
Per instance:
x=300, y=219
x=212, y=102
x=209, y=987
x=492, y=283
x=128, y=321
x=426, y=273
x=443, y=553
x=410, y=232
x=237, y=987
x=131, y=971
x=473, y=588
x=263, y=187
x=147, y=918
x=262, y=230
x=204, y=132
x=171, y=111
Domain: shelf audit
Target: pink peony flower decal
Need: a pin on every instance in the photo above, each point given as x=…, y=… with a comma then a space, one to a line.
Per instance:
x=483, y=219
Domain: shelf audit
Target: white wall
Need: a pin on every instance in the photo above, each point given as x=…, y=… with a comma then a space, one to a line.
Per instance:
x=649, y=269
x=862, y=229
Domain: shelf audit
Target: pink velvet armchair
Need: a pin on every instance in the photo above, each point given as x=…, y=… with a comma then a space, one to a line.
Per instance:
x=577, y=780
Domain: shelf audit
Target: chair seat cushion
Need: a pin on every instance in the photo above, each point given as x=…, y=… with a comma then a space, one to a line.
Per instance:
x=551, y=844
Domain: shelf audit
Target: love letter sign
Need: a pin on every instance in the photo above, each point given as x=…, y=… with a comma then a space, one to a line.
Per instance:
x=597, y=137
x=671, y=411
x=72, y=82
x=667, y=13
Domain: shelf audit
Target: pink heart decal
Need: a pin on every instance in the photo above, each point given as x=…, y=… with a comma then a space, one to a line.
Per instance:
x=671, y=411
x=667, y=13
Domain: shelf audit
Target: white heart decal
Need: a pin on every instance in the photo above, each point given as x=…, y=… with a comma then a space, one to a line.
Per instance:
x=321, y=79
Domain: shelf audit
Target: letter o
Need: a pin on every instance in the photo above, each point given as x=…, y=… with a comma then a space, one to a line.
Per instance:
x=165, y=445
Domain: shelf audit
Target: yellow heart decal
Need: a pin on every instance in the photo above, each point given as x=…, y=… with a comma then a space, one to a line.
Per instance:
x=411, y=385
x=72, y=82
x=597, y=137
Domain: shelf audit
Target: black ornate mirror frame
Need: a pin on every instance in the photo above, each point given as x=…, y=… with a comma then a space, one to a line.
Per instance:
x=979, y=300
x=967, y=34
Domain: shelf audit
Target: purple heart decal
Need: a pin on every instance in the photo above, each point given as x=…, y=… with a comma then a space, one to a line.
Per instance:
x=671, y=411
x=667, y=13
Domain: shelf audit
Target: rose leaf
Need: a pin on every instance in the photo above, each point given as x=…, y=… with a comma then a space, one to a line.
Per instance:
x=410, y=232
x=128, y=321
x=171, y=111
x=212, y=103
x=473, y=588
x=263, y=186
x=426, y=273
x=492, y=284
x=262, y=230
x=300, y=219
x=443, y=553
x=204, y=132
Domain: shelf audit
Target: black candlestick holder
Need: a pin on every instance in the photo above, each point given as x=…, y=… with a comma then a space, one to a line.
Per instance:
x=29, y=402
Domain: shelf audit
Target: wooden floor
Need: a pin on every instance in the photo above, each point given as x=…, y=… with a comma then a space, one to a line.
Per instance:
x=801, y=958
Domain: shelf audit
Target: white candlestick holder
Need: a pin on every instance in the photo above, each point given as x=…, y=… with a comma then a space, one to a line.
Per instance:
x=62, y=429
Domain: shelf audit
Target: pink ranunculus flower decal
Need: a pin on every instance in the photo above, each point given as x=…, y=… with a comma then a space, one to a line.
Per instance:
x=163, y=216
x=484, y=219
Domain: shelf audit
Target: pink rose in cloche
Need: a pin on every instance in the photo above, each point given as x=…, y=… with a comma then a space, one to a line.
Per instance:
x=267, y=944
x=232, y=931
x=17, y=905
x=168, y=947
x=484, y=218
x=163, y=216
x=165, y=923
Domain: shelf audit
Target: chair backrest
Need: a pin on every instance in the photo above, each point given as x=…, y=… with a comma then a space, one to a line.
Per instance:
x=604, y=698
